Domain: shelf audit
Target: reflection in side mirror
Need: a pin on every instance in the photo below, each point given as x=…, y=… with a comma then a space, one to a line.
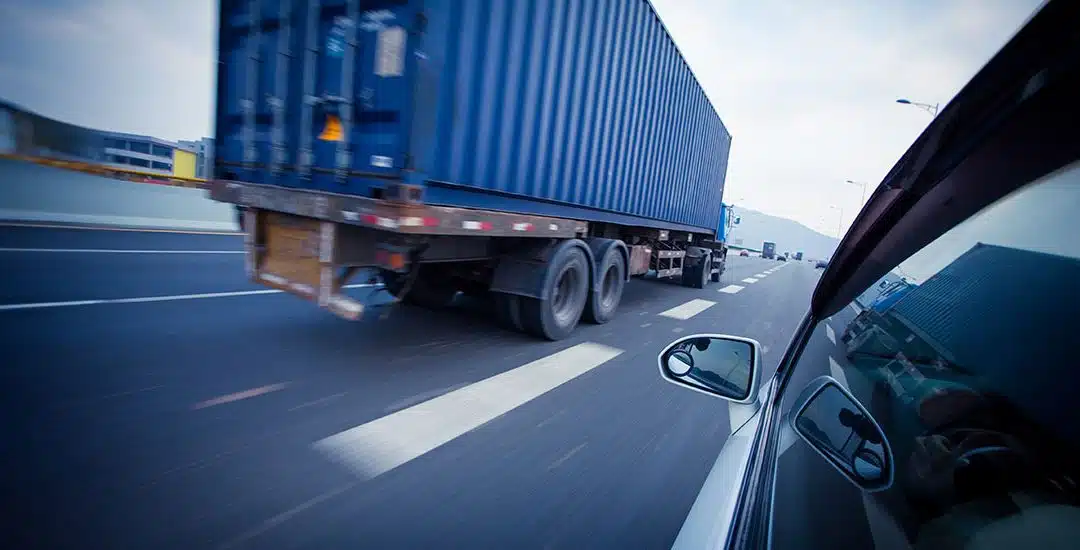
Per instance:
x=841, y=430
x=723, y=366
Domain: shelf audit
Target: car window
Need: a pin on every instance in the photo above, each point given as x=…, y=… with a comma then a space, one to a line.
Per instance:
x=965, y=355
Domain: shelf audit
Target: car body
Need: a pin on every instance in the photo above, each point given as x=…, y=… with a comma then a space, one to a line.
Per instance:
x=744, y=253
x=945, y=420
x=821, y=264
x=781, y=258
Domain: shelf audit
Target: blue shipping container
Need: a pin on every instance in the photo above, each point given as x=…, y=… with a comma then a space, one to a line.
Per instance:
x=574, y=108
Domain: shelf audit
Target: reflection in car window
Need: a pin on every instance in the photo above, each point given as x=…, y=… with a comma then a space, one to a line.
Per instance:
x=965, y=354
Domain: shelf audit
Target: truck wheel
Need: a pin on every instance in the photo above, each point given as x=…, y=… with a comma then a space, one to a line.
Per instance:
x=426, y=291
x=603, y=301
x=567, y=292
x=699, y=275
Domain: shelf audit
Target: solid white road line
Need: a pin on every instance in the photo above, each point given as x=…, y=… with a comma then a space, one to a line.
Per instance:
x=837, y=372
x=731, y=289
x=688, y=310
x=384, y=444
x=148, y=299
x=830, y=334
x=119, y=251
x=750, y=280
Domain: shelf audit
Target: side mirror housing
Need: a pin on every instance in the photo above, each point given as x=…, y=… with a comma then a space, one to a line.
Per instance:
x=728, y=367
x=840, y=429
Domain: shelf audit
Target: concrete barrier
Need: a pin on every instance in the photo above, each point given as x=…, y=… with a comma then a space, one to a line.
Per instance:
x=34, y=193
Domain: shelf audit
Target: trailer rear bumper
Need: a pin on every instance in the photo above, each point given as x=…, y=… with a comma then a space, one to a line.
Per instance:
x=298, y=255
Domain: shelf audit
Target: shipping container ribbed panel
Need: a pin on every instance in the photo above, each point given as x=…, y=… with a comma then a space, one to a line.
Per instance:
x=576, y=108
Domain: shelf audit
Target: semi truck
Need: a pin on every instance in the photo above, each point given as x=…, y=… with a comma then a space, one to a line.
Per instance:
x=768, y=250
x=532, y=155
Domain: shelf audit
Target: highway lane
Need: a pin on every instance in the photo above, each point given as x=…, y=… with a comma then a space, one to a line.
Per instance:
x=55, y=265
x=191, y=423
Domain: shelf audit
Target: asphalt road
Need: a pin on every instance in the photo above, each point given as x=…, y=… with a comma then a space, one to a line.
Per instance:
x=155, y=399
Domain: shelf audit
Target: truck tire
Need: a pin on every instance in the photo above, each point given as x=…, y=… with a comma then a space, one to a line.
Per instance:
x=611, y=280
x=699, y=275
x=567, y=291
x=428, y=290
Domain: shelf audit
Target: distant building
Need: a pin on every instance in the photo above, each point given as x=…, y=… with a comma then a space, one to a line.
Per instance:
x=24, y=132
x=138, y=152
x=204, y=156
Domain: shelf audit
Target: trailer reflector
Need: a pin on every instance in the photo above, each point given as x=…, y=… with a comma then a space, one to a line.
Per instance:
x=417, y=221
x=372, y=219
x=476, y=226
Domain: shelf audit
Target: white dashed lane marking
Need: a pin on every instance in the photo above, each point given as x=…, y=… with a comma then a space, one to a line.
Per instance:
x=688, y=310
x=731, y=289
x=750, y=280
x=381, y=445
x=837, y=372
x=830, y=334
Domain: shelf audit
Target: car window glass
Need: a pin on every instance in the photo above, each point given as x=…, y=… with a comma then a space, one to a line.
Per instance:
x=965, y=355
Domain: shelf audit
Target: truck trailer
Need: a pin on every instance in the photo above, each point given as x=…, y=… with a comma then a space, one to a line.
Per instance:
x=768, y=250
x=537, y=155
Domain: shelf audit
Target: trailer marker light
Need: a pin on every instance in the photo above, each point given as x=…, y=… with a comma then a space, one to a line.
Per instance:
x=397, y=260
x=332, y=129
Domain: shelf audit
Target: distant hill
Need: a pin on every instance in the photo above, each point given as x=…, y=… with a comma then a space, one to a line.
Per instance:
x=790, y=236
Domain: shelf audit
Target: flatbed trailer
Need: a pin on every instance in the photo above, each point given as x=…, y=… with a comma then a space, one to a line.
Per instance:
x=544, y=273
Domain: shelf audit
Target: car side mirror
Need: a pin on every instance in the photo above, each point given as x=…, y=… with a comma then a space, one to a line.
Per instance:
x=844, y=433
x=728, y=367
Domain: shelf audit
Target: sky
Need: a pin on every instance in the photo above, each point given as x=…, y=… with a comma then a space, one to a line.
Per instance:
x=1009, y=222
x=807, y=89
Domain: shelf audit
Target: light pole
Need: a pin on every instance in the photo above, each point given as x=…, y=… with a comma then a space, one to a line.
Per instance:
x=840, y=222
x=932, y=109
x=863, y=184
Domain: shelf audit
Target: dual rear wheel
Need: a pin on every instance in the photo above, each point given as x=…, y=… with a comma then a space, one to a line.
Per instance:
x=573, y=291
x=572, y=295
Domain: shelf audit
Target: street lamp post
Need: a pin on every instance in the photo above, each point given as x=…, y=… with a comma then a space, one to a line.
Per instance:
x=840, y=222
x=932, y=109
x=863, y=184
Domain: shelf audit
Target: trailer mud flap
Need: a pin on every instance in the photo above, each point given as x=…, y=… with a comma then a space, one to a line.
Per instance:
x=297, y=255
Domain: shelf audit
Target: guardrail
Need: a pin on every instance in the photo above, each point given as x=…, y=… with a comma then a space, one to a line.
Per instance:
x=35, y=189
x=110, y=171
